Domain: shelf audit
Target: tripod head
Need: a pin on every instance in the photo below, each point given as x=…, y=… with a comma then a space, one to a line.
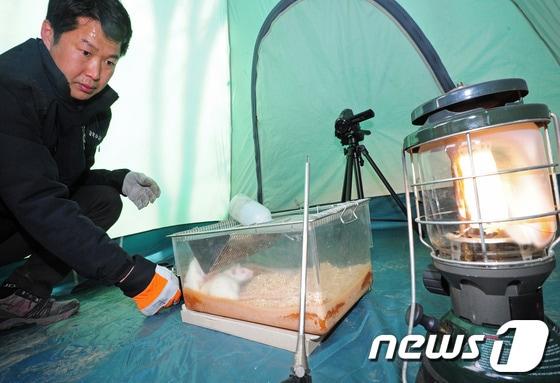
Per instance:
x=347, y=126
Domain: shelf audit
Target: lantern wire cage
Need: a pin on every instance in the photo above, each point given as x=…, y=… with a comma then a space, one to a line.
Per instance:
x=424, y=220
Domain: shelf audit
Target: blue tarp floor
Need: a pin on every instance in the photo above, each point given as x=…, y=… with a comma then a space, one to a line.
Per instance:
x=109, y=341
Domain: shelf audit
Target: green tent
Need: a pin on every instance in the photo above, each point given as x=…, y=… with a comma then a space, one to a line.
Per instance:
x=224, y=97
x=315, y=58
x=220, y=97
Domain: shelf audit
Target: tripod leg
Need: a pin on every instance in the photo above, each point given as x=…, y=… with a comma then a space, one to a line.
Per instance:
x=358, y=163
x=350, y=157
x=347, y=185
x=384, y=180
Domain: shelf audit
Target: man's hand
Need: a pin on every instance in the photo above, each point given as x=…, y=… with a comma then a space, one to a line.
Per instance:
x=140, y=189
x=163, y=291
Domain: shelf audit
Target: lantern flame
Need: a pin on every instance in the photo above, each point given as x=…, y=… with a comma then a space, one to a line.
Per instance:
x=490, y=190
x=502, y=197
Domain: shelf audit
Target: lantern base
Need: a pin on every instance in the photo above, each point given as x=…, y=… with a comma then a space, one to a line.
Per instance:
x=480, y=370
x=494, y=296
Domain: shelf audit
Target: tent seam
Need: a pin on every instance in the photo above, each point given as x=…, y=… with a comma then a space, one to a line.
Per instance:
x=230, y=102
x=536, y=31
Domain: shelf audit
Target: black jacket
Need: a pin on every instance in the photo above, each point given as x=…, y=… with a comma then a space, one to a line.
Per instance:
x=47, y=146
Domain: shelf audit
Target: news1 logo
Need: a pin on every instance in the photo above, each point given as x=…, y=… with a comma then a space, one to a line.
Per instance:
x=526, y=351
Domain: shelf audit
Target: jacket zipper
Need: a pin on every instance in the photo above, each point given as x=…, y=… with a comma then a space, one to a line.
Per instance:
x=83, y=138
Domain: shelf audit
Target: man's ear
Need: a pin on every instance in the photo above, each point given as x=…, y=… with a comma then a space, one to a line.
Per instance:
x=47, y=34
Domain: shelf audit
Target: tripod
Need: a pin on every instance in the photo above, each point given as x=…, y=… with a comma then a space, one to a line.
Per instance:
x=347, y=129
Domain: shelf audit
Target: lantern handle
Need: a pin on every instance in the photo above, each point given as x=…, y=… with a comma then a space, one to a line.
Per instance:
x=554, y=119
x=556, y=124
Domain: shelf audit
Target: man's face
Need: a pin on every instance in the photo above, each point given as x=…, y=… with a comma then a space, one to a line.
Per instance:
x=85, y=55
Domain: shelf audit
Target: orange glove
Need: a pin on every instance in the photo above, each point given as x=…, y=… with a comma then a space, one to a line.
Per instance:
x=163, y=291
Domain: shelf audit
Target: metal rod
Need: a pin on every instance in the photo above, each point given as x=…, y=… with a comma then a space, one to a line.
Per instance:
x=477, y=222
x=551, y=172
x=556, y=124
x=301, y=367
x=477, y=199
x=411, y=255
x=554, y=181
x=417, y=204
x=516, y=170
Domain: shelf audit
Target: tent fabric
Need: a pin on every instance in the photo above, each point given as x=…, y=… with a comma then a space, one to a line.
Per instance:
x=110, y=341
x=401, y=18
x=320, y=57
x=305, y=85
x=172, y=119
x=185, y=108
x=543, y=17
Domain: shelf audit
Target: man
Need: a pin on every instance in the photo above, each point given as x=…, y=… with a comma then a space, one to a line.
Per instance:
x=54, y=111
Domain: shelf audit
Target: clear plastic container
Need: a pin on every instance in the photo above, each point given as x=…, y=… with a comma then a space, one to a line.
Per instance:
x=252, y=272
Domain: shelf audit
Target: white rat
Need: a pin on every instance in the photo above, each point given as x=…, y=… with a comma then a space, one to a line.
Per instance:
x=227, y=284
x=195, y=276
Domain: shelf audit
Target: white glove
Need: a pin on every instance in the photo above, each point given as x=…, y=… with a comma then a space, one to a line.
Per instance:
x=140, y=189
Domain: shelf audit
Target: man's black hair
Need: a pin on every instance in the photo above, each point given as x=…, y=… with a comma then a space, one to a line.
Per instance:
x=113, y=17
